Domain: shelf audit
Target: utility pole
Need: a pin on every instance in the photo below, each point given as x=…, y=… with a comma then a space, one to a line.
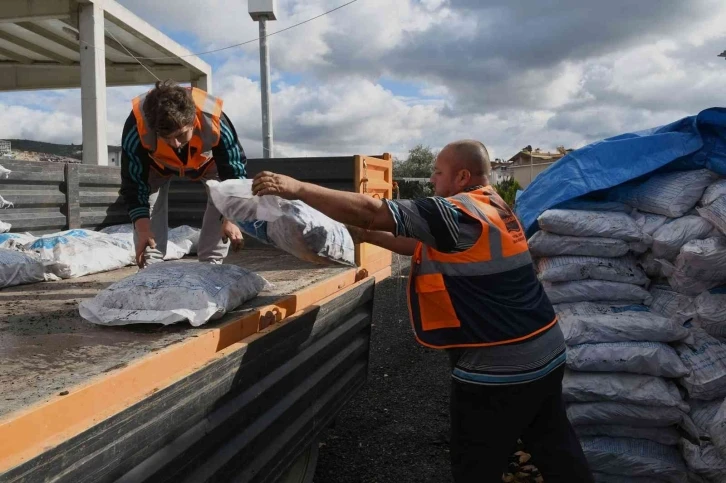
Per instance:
x=261, y=11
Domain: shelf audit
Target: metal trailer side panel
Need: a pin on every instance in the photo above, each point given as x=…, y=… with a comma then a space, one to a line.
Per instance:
x=243, y=417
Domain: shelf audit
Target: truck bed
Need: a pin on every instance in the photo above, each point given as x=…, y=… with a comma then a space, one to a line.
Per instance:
x=46, y=348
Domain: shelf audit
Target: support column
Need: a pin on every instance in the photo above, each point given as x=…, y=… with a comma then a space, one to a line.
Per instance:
x=93, y=84
x=204, y=83
x=265, y=88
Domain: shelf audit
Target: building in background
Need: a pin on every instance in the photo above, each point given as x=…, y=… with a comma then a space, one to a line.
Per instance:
x=501, y=171
x=528, y=163
x=114, y=156
x=5, y=149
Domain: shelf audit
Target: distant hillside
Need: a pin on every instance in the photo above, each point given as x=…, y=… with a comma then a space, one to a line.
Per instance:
x=66, y=150
x=74, y=151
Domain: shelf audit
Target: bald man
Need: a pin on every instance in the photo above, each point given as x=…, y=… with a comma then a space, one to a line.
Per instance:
x=473, y=292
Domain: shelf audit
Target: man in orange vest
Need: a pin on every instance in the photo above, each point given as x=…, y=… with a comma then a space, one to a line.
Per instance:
x=473, y=291
x=173, y=130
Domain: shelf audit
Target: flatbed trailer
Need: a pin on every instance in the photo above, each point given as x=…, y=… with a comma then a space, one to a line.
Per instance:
x=243, y=398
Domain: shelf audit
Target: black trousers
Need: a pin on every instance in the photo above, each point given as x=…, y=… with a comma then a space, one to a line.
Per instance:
x=486, y=422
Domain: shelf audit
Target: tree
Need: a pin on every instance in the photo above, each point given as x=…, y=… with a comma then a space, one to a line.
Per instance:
x=419, y=164
x=507, y=189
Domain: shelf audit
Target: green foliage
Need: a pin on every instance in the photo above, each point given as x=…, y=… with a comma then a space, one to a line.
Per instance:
x=507, y=189
x=409, y=190
x=419, y=164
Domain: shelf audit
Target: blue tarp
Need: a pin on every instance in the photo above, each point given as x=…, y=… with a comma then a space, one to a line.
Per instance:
x=690, y=143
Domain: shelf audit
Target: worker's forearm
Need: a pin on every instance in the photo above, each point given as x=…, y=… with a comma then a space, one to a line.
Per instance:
x=401, y=245
x=349, y=208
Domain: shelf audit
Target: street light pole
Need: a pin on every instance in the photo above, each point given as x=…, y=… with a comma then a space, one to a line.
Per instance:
x=261, y=11
x=265, y=89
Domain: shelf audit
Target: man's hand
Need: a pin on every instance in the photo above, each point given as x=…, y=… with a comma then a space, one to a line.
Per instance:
x=145, y=238
x=267, y=183
x=231, y=232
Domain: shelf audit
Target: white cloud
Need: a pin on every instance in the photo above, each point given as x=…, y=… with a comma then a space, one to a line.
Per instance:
x=495, y=71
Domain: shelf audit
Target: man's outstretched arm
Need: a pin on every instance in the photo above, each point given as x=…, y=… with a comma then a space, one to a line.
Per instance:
x=353, y=209
x=397, y=244
x=396, y=225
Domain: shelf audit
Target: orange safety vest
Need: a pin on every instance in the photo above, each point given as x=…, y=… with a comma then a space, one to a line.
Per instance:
x=462, y=300
x=206, y=136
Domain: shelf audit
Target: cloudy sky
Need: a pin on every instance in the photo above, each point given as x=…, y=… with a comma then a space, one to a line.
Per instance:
x=385, y=75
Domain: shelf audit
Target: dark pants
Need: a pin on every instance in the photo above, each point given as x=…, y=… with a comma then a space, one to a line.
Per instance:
x=486, y=422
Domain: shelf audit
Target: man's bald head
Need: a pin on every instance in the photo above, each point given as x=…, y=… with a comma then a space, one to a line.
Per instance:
x=461, y=165
x=471, y=155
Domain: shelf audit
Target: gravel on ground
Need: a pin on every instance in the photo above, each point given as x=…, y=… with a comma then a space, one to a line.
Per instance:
x=396, y=429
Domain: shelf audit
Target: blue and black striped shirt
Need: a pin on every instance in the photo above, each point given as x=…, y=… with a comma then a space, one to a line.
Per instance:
x=135, y=164
x=441, y=225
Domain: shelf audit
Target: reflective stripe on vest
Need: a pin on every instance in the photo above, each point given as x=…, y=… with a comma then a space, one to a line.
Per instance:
x=206, y=135
x=453, y=299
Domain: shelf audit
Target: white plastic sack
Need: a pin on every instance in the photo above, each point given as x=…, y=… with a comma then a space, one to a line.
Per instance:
x=639, y=248
x=703, y=414
x=713, y=192
x=669, y=303
x=18, y=268
x=597, y=323
x=700, y=266
x=705, y=357
x=669, y=194
x=165, y=293
x=717, y=430
x=5, y=227
x=651, y=266
x=704, y=460
x=544, y=244
x=668, y=239
x=15, y=240
x=185, y=237
x=635, y=458
x=5, y=203
x=180, y=241
x=668, y=436
x=291, y=226
x=605, y=478
x=4, y=172
x=711, y=310
x=716, y=213
x=635, y=415
x=604, y=224
x=595, y=290
x=648, y=222
x=594, y=205
x=75, y=253
x=234, y=199
x=621, y=387
x=649, y=358
x=571, y=268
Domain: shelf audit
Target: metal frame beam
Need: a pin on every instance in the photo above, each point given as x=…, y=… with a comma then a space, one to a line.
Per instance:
x=15, y=56
x=14, y=11
x=125, y=20
x=111, y=44
x=49, y=35
x=34, y=48
x=15, y=76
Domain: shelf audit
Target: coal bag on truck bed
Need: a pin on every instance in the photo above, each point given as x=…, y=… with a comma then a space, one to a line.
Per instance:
x=165, y=293
x=75, y=253
x=18, y=268
x=291, y=226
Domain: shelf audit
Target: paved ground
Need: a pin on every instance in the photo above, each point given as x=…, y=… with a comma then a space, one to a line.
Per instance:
x=396, y=429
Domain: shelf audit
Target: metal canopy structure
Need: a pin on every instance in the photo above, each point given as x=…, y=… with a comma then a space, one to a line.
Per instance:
x=91, y=44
